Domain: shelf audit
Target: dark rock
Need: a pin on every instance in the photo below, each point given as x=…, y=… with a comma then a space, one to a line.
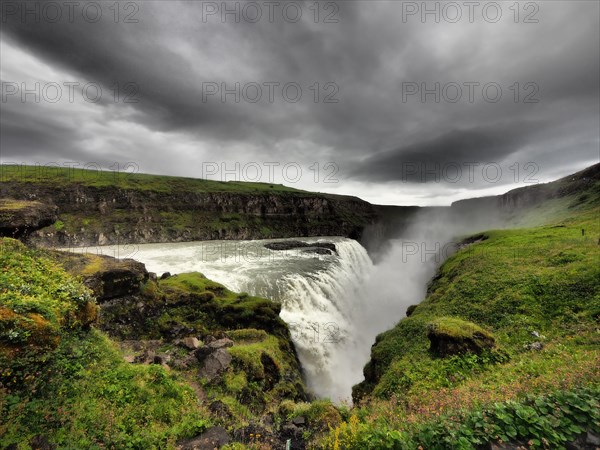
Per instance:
x=220, y=343
x=178, y=330
x=312, y=246
x=592, y=439
x=214, y=437
x=299, y=421
x=19, y=218
x=40, y=442
x=220, y=409
x=410, y=310
x=215, y=363
x=318, y=251
x=145, y=358
x=272, y=375
x=291, y=431
x=161, y=359
x=184, y=363
x=472, y=240
x=165, y=275
x=202, y=353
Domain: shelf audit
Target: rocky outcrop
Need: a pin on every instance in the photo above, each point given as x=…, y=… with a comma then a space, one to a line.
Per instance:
x=107, y=277
x=450, y=336
x=321, y=248
x=19, y=218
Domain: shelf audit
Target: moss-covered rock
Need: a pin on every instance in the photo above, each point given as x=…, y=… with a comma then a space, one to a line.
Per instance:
x=18, y=218
x=451, y=336
x=107, y=277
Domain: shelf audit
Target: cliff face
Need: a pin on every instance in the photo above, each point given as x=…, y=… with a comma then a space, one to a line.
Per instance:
x=503, y=205
x=90, y=215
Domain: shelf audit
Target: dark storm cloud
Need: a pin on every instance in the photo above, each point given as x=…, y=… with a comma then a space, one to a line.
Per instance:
x=427, y=160
x=368, y=55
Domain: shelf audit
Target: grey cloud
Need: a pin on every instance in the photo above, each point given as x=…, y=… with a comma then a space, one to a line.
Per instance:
x=368, y=54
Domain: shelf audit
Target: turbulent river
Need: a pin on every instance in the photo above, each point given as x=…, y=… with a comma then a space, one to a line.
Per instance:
x=334, y=304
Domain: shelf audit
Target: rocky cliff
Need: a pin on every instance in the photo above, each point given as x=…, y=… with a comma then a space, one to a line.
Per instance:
x=519, y=199
x=168, y=209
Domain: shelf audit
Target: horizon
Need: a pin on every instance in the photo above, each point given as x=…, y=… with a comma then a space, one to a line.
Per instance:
x=100, y=170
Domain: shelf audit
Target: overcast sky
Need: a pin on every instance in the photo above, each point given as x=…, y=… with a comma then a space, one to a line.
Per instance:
x=372, y=99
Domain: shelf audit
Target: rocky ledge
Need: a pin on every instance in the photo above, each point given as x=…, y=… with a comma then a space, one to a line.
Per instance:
x=320, y=248
x=19, y=218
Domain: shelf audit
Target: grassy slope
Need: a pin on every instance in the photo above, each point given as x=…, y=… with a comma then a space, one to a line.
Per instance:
x=57, y=176
x=64, y=380
x=543, y=277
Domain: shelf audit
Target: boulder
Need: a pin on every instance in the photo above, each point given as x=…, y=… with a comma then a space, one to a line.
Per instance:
x=220, y=343
x=450, y=336
x=106, y=276
x=215, y=363
x=190, y=342
x=299, y=421
x=18, y=218
x=537, y=346
x=215, y=437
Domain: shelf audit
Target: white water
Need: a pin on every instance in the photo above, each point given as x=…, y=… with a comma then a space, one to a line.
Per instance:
x=335, y=305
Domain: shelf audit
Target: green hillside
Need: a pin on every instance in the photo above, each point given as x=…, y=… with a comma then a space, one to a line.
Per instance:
x=536, y=291
x=62, y=176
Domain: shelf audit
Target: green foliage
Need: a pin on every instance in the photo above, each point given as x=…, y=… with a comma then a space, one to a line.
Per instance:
x=543, y=422
x=87, y=396
x=39, y=304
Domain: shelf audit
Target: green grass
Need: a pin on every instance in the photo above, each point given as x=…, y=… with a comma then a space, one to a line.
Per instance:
x=58, y=177
x=69, y=383
x=89, y=397
x=38, y=302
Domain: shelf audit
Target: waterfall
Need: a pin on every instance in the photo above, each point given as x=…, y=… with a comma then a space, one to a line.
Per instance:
x=323, y=311
x=335, y=305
